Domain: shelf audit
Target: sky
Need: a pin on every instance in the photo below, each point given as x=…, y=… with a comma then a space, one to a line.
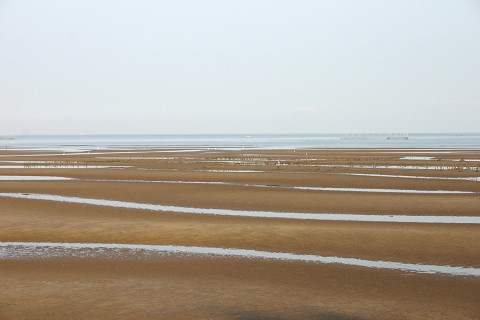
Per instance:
x=249, y=66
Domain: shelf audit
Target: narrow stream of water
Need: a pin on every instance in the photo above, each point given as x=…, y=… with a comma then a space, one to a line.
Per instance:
x=246, y=213
x=25, y=250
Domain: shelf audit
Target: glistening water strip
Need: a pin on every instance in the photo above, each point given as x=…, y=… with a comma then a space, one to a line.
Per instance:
x=34, y=178
x=25, y=250
x=319, y=173
x=380, y=190
x=335, y=189
x=91, y=152
x=54, y=178
x=406, y=177
x=246, y=213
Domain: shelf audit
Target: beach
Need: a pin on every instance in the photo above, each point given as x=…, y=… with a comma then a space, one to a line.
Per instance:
x=297, y=214
x=239, y=160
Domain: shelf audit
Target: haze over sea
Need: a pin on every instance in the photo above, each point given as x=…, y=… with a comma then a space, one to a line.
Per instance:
x=264, y=141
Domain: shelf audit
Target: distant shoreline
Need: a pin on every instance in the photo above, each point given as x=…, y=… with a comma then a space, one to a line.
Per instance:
x=261, y=141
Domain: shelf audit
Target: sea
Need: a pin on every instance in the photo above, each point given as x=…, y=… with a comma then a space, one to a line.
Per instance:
x=254, y=141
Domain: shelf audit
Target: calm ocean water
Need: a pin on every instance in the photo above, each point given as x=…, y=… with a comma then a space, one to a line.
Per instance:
x=280, y=141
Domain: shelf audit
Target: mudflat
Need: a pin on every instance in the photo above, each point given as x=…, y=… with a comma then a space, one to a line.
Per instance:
x=225, y=287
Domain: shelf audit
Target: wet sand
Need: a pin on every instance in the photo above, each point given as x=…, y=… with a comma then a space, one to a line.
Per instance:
x=191, y=287
x=227, y=289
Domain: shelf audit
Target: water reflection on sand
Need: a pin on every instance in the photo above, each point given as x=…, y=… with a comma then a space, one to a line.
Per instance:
x=24, y=250
x=247, y=213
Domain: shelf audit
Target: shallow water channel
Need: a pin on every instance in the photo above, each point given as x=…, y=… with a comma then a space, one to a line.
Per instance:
x=25, y=250
x=246, y=213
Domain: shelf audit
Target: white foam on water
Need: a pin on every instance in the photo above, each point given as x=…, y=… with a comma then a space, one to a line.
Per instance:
x=25, y=250
x=246, y=213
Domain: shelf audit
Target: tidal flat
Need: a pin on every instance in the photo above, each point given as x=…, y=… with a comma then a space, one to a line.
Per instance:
x=79, y=237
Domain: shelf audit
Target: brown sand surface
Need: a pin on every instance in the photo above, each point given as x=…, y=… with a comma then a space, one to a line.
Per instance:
x=45, y=221
x=227, y=289
x=252, y=198
x=221, y=288
x=269, y=178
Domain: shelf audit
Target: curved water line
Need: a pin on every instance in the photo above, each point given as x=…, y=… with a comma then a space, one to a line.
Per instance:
x=23, y=250
x=247, y=213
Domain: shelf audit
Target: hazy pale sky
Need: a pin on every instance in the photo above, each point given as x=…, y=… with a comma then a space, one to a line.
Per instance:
x=249, y=66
